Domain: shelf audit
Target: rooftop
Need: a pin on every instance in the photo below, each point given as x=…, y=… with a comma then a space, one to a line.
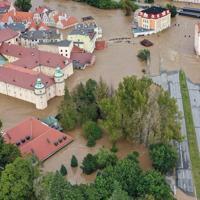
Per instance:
x=32, y=57
x=34, y=137
x=23, y=78
x=62, y=43
x=7, y=34
x=154, y=10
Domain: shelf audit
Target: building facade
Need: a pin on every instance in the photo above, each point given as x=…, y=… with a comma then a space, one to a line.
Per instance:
x=154, y=18
x=197, y=39
x=189, y=1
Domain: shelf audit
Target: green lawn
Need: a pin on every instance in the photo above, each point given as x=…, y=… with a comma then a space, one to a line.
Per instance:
x=194, y=152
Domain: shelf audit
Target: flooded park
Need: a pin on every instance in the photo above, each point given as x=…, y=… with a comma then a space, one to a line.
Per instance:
x=172, y=49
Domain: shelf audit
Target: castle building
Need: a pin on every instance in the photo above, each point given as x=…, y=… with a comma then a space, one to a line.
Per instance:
x=197, y=39
x=32, y=75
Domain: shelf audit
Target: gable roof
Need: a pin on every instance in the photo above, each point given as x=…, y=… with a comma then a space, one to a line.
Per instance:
x=23, y=78
x=7, y=34
x=34, y=137
x=32, y=57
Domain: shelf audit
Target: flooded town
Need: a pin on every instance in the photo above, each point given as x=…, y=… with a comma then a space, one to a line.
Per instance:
x=35, y=72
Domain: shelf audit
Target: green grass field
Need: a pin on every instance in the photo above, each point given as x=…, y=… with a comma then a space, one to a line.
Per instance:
x=194, y=152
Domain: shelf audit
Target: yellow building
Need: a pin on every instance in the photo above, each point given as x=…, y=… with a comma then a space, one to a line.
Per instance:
x=154, y=18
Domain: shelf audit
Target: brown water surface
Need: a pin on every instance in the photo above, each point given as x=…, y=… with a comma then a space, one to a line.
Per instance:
x=173, y=49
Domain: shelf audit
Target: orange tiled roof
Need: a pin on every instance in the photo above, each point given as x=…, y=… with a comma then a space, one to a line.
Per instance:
x=34, y=137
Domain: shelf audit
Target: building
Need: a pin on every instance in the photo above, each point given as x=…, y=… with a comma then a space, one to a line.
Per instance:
x=9, y=36
x=53, y=18
x=34, y=37
x=152, y=20
x=63, y=47
x=4, y=6
x=32, y=75
x=31, y=86
x=84, y=37
x=189, y=1
x=36, y=60
x=197, y=39
x=36, y=138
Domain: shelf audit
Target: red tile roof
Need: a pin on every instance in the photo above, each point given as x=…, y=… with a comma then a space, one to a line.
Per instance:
x=23, y=78
x=83, y=58
x=32, y=57
x=36, y=138
x=71, y=21
x=7, y=34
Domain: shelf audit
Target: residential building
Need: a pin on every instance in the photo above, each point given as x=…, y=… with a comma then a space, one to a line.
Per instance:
x=35, y=37
x=33, y=137
x=189, y=1
x=197, y=39
x=84, y=37
x=152, y=20
x=54, y=18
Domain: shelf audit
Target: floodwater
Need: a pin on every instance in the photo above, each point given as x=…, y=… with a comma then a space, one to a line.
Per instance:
x=80, y=150
x=173, y=49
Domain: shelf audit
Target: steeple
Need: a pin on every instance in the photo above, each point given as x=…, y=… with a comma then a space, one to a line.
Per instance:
x=39, y=84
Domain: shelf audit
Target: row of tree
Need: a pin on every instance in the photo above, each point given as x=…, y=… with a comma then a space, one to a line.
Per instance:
x=121, y=179
x=138, y=110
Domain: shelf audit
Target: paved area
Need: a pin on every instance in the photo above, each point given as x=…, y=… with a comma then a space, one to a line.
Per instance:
x=194, y=93
x=170, y=82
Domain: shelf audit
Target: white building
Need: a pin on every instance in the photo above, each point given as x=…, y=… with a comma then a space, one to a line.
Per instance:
x=189, y=1
x=197, y=39
x=35, y=88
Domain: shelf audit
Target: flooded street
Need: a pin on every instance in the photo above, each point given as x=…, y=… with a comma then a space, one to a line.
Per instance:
x=173, y=49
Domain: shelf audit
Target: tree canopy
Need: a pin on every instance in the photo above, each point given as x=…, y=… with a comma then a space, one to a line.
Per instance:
x=16, y=181
x=23, y=5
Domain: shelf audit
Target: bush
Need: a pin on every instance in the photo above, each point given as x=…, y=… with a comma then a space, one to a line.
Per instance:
x=74, y=161
x=89, y=164
x=91, y=128
x=114, y=148
x=105, y=158
x=63, y=170
x=91, y=142
x=164, y=157
x=133, y=156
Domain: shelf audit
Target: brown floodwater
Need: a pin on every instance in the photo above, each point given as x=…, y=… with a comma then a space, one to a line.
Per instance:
x=173, y=49
x=78, y=147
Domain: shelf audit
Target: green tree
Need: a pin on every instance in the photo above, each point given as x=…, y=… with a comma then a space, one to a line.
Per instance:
x=68, y=113
x=149, y=1
x=16, y=180
x=8, y=153
x=74, y=161
x=128, y=6
x=91, y=141
x=112, y=118
x=1, y=125
x=153, y=184
x=105, y=158
x=91, y=129
x=164, y=157
x=118, y=193
x=172, y=9
x=23, y=5
x=85, y=100
x=89, y=164
x=63, y=170
x=144, y=55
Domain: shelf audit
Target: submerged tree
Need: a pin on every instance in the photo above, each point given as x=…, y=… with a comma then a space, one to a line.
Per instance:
x=128, y=6
x=172, y=9
x=23, y=5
